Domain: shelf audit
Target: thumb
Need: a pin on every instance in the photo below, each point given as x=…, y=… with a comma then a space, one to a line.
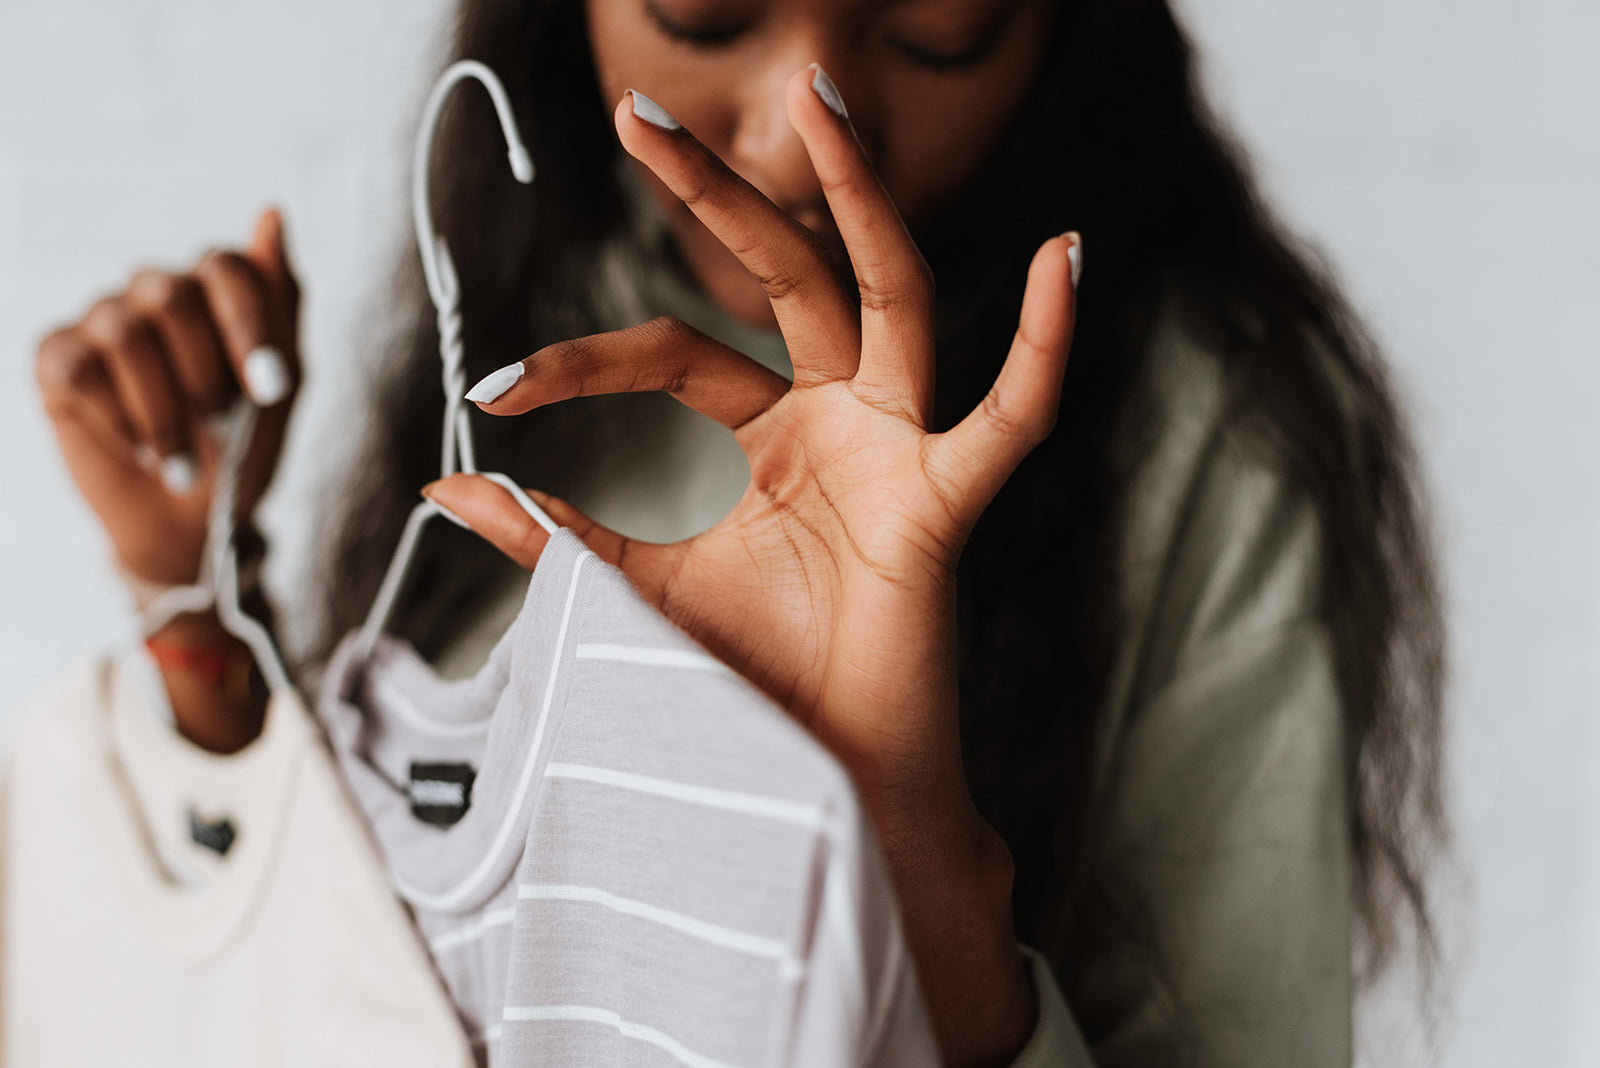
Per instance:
x=269, y=254
x=484, y=507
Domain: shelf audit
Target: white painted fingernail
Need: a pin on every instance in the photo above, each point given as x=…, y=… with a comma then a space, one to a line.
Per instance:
x=823, y=86
x=448, y=514
x=495, y=384
x=266, y=376
x=178, y=473
x=1075, y=256
x=651, y=112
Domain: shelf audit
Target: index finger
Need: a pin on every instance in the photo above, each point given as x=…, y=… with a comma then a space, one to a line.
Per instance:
x=665, y=355
x=251, y=331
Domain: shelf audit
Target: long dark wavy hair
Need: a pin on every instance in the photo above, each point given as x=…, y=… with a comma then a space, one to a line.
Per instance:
x=1116, y=141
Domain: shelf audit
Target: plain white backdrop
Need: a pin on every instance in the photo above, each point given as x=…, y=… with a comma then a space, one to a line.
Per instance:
x=1443, y=154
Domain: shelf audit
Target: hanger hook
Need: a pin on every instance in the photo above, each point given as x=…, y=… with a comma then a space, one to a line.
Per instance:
x=441, y=284
x=456, y=452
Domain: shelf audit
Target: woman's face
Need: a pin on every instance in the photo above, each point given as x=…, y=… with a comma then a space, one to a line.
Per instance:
x=930, y=84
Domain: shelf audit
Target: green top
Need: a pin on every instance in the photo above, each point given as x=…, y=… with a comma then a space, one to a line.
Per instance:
x=1222, y=776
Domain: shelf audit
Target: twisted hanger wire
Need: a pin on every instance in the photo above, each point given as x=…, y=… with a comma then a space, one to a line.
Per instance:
x=456, y=451
x=455, y=448
x=444, y=287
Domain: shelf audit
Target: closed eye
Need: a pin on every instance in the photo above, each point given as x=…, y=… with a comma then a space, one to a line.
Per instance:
x=697, y=35
x=937, y=60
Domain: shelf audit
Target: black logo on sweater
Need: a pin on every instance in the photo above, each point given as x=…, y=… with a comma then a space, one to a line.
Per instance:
x=440, y=793
x=217, y=837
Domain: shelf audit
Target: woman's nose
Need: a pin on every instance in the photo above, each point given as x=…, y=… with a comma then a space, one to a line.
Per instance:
x=768, y=152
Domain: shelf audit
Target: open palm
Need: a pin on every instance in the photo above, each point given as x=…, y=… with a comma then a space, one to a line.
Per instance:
x=831, y=583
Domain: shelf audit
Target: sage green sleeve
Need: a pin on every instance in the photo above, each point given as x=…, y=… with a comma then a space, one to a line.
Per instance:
x=1224, y=867
x=1227, y=844
x=1231, y=849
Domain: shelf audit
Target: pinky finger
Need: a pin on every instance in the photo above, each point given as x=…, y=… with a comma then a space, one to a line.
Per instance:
x=972, y=460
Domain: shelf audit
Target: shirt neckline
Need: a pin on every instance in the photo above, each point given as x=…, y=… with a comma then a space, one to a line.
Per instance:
x=193, y=920
x=459, y=868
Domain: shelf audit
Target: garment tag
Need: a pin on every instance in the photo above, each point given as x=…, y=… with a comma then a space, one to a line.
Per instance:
x=440, y=793
x=216, y=836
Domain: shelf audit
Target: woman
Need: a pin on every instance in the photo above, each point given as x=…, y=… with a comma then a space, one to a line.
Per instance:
x=1162, y=705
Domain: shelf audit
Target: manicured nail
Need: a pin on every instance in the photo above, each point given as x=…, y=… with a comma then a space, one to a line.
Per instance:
x=1075, y=255
x=427, y=493
x=651, y=112
x=823, y=86
x=495, y=384
x=178, y=473
x=266, y=376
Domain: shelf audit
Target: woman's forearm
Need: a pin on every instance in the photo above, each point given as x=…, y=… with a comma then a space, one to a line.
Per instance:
x=954, y=891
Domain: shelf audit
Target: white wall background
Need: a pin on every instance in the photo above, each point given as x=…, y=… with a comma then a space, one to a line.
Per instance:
x=1445, y=154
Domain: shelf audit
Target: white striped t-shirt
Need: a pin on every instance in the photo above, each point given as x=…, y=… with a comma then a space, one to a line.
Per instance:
x=657, y=866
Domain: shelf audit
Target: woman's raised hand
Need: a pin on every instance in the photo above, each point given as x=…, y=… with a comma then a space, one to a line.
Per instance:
x=831, y=584
x=130, y=388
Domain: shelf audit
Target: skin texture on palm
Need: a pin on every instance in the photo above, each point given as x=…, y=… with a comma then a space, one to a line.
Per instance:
x=831, y=583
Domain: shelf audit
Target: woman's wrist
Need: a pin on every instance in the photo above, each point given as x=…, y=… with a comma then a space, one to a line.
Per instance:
x=954, y=889
x=217, y=697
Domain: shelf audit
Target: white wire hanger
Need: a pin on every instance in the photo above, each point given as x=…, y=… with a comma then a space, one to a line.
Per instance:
x=217, y=586
x=455, y=447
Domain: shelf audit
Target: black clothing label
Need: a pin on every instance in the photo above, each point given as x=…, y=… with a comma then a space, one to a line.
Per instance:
x=440, y=793
x=216, y=836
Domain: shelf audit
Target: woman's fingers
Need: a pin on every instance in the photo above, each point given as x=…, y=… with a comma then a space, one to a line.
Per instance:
x=662, y=355
x=895, y=282
x=253, y=330
x=145, y=385
x=77, y=390
x=485, y=508
x=128, y=387
x=175, y=305
x=269, y=254
x=971, y=461
x=101, y=446
x=813, y=311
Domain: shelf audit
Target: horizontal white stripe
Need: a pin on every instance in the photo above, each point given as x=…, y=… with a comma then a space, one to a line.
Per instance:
x=471, y=932
x=714, y=933
x=772, y=808
x=637, y=654
x=587, y=1014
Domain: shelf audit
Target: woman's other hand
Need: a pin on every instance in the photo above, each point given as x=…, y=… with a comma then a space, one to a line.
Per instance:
x=131, y=387
x=832, y=583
